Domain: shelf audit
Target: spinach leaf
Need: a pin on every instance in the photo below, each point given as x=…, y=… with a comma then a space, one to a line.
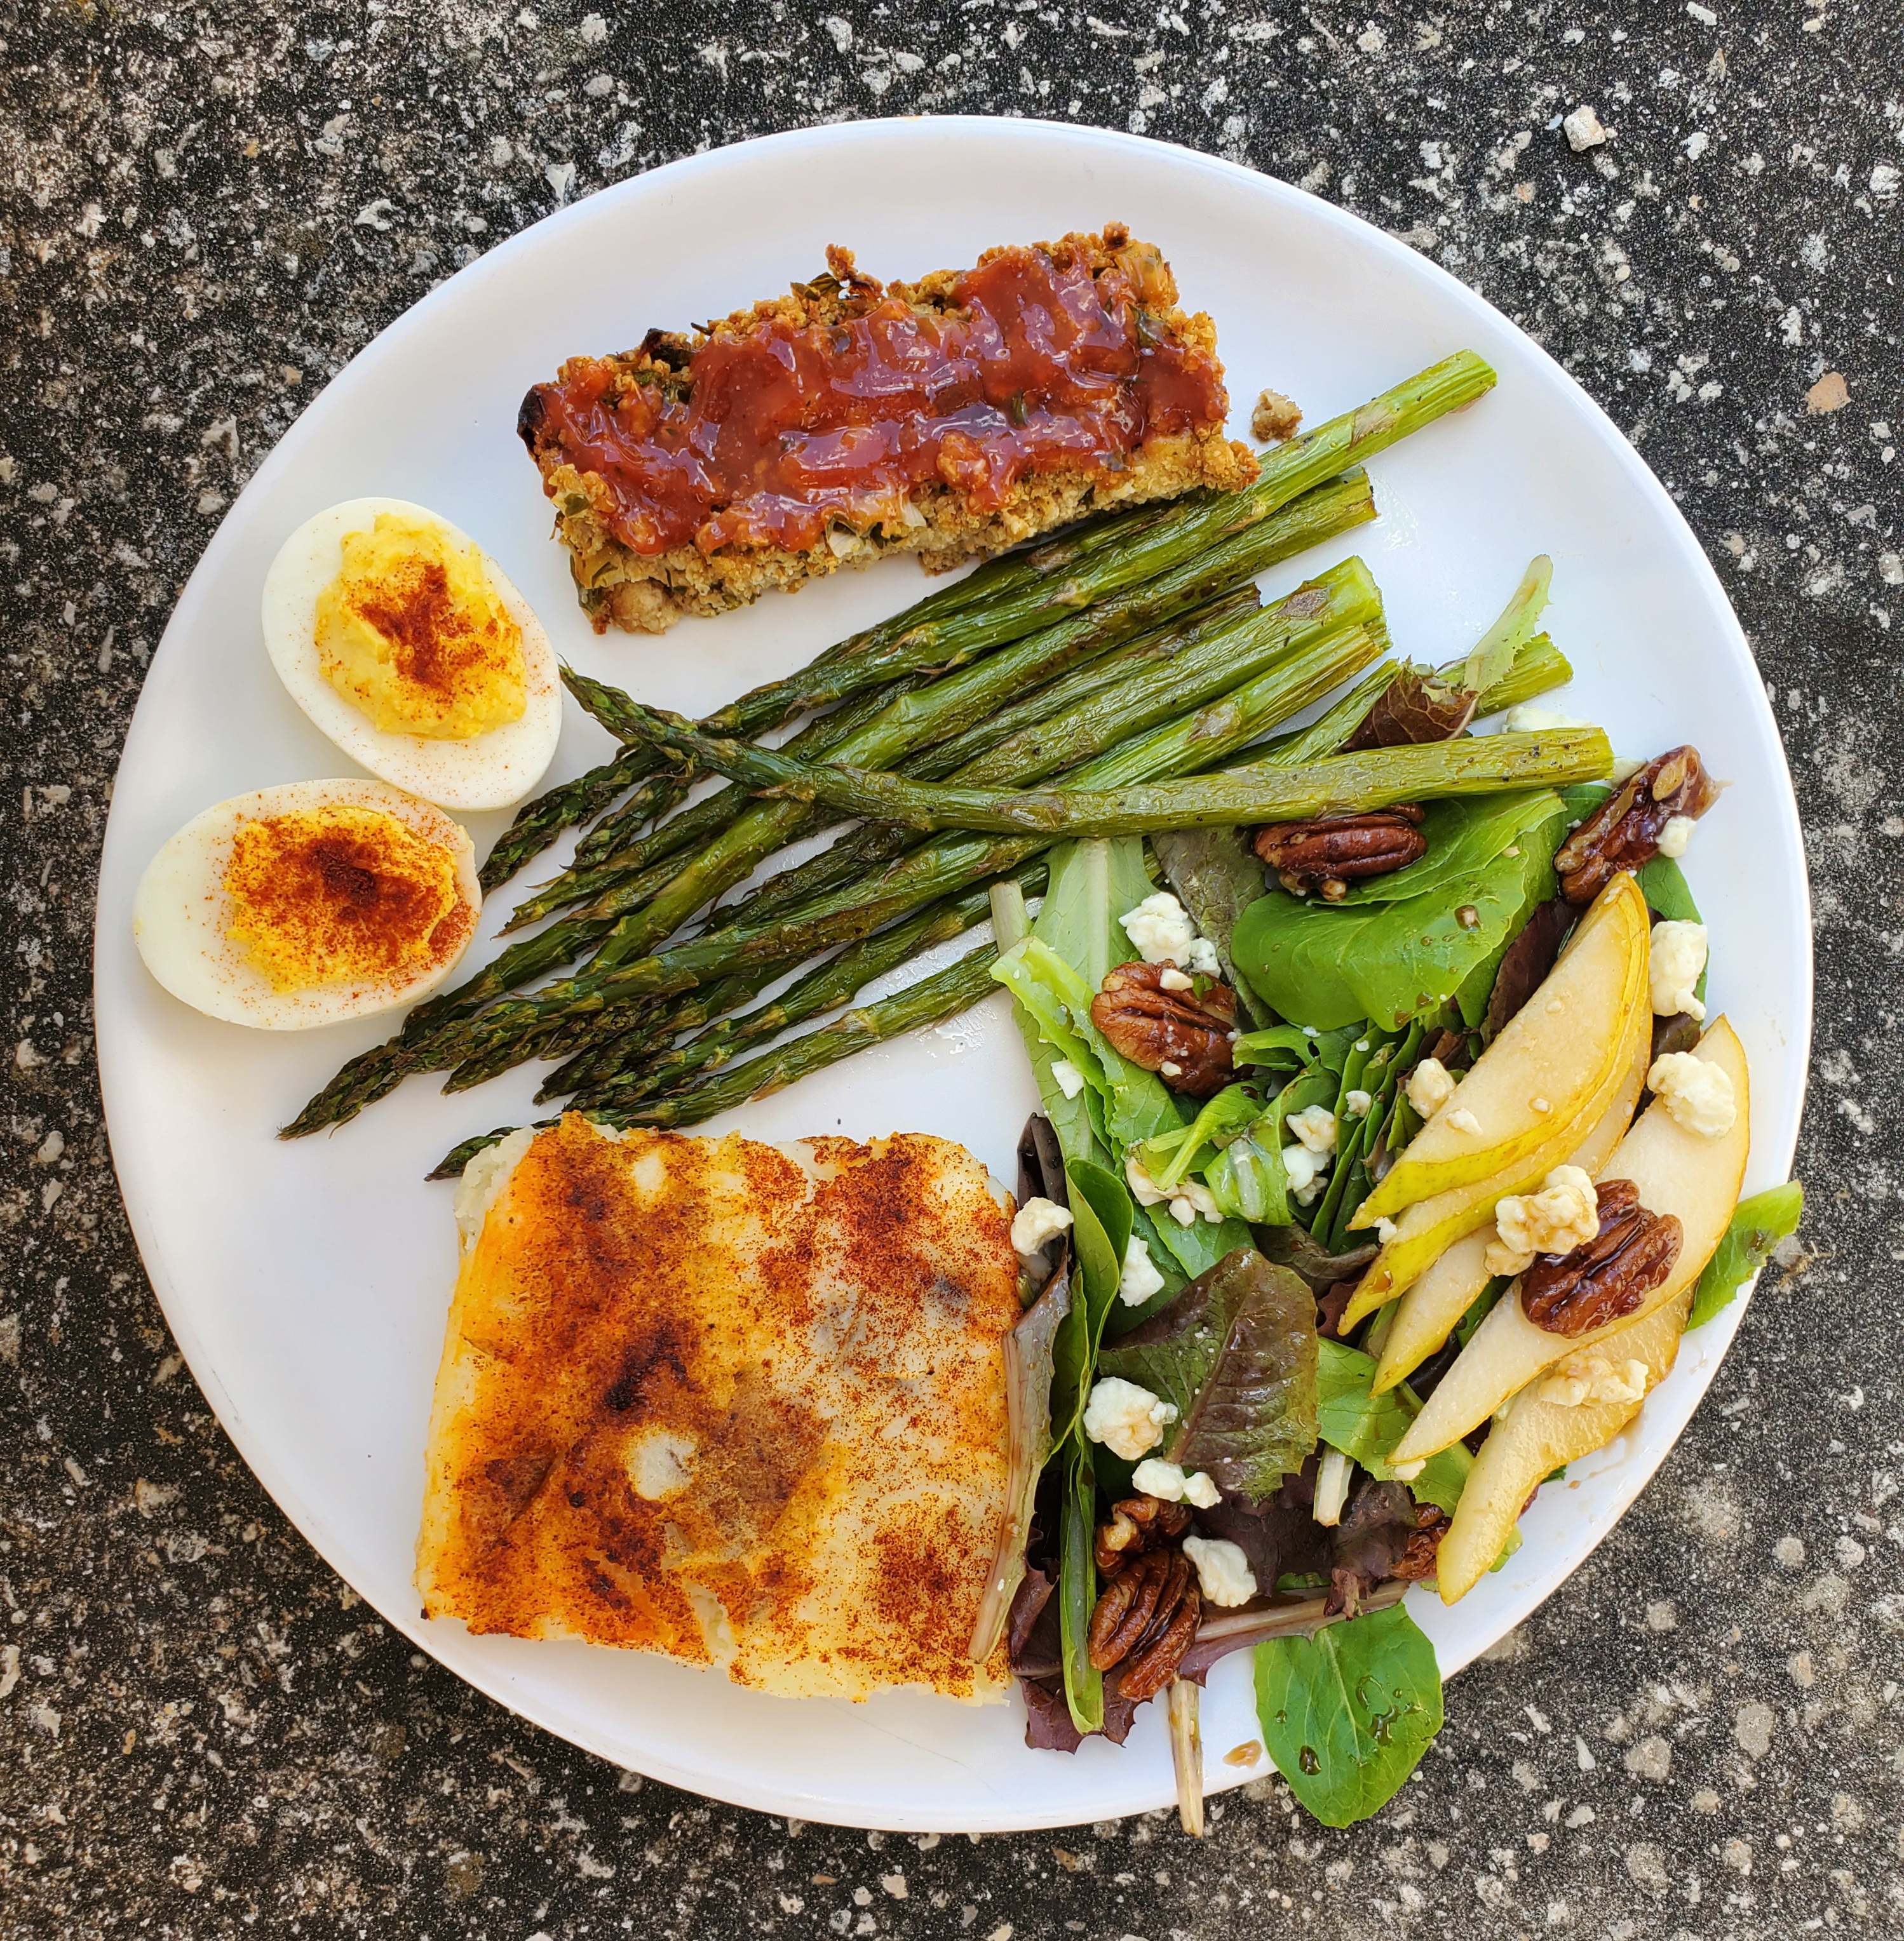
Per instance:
x=1464, y=836
x=1388, y=962
x=1366, y=1427
x=1757, y=1225
x=1347, y=1714
x=1236, y=1352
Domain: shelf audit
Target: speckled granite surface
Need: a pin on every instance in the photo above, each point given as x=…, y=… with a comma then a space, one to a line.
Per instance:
x=210, y=208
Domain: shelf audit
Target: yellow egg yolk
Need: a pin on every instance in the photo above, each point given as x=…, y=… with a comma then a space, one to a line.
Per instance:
x=325, y=896
x=412, y=633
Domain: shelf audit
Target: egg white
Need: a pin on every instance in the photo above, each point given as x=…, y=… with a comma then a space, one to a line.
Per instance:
x=182, y=912
x=491, y=770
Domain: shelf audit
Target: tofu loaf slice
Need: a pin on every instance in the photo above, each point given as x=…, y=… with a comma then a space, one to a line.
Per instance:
x=952, y=417
x=741, y=1404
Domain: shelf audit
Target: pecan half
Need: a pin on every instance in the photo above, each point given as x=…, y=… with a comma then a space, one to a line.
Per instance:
x=1624, y=831
x=1145, y=1619
x=1612, y=1274
x=1329, y=852
x=1418, y=1561
x=1138, y=1524
x=1181, y=1035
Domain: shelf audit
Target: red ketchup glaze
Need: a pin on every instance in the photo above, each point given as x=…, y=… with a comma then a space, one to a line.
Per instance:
x=786, y=429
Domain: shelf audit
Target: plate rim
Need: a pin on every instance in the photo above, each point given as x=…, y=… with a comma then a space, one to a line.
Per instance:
x=1360, y=234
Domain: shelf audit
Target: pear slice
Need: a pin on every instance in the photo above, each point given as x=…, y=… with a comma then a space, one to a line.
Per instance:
x=1677, y=1171
x=1540, y=1431
x=1428, y=1228
x=1550, y=1059
x=1448, y=1287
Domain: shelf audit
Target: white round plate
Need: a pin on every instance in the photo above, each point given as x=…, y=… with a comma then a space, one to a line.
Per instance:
x=307, y=1283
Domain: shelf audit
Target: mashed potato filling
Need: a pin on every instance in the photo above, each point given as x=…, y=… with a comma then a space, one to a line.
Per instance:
x=328, y=895
x=413, y=634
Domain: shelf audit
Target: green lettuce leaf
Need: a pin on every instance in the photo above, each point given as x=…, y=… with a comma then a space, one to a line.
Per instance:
x=1347, y=1714
x=1236, y=1352
x=1757, y=1225
x=1365, y=1427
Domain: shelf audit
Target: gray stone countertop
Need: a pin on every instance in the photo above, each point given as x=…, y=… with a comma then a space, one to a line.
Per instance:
x=210, y=208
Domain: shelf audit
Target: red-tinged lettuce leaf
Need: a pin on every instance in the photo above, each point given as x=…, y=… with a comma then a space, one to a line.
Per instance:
x=1414, y=707
x=1526, y=962
x=1295, y=1248
x=1235, y=1353
x=1028, y=1358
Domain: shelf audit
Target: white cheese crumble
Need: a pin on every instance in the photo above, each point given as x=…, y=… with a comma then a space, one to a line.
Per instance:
x=1674, y=837
x=1143, y=1189
x=1190, y=1197
x=1160, y=930
x=1315, y=1126
x=1357, y=1104
x=1583, y=1379
x=1204, y=959
x=1431, y=1085
x=1530, y=718
x=1139, y=1279
x=1066, y=1077
x=1170, y=1068
x=1564, y=1214
x=1166, y=1480
x=1462, y=1121
x=1304, y=1170
x=1678, y=956
x=1174, y=979
x=1386, y=1230
x=1223, y=1573
x=1127, y=1420
x=1699, y=1095
x=1037, y=1222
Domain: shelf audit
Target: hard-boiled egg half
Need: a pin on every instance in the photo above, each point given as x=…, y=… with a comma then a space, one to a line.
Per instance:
x=405, y=644
x=307, y=904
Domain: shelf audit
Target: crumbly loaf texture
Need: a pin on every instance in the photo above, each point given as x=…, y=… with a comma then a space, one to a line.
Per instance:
x=647, y=594
x=741, y=1404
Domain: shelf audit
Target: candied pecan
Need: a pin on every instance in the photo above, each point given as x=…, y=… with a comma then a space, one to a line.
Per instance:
x=1624, y=831
x=1145, y=1619
x=1611, y=1275
x=1418, y=1561
x=1328, y=852
x=1183, y=1035
x=1137, y=1524
x=1153, y=1665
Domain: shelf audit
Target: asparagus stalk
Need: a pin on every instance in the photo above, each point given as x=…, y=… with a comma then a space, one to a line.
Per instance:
x=1146, y=695
x=627, y=876
x=1267, y=792
x=537, y=823
x=928, y=1002
x=831, y=983
x=1197, y=740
